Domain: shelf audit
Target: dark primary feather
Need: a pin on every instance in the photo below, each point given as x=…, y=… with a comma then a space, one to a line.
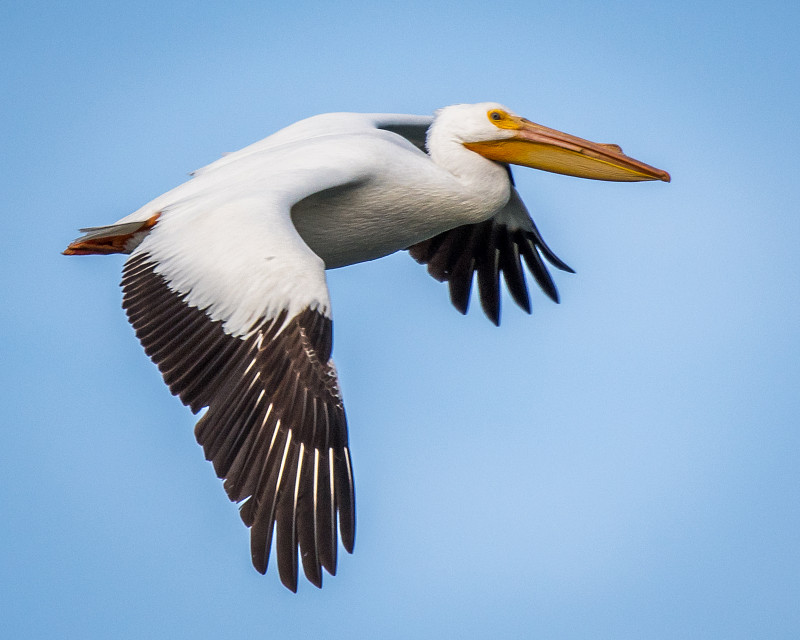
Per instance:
x=275, y=429
x=489, y=248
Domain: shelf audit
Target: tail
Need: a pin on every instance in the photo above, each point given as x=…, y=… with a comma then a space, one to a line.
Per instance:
x=115, y=238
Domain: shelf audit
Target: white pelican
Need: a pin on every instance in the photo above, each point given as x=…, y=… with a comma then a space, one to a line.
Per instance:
x=225, y=285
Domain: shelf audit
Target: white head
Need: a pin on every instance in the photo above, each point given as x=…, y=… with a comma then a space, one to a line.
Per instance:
x=468, y=122
x=497, y=133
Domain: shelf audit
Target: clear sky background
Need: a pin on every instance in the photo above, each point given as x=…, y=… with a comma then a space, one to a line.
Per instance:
x=621, y=465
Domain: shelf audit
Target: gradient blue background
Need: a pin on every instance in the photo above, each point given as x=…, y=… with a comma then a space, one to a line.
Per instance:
x=622, y=465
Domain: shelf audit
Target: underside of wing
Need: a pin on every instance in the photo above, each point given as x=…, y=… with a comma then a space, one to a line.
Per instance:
x=233, y=308
x=275, y=429
x=489, y=248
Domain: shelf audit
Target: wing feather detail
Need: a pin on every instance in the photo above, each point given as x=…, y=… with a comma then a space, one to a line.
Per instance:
x=496, y=246
x=275, y=429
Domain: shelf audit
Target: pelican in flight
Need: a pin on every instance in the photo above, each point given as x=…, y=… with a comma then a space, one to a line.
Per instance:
x=225, y=285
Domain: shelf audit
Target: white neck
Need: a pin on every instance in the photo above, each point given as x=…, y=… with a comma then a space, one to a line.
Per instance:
x=485, y=183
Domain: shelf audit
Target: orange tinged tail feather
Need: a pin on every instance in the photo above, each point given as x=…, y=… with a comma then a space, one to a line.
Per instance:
x=105, y=240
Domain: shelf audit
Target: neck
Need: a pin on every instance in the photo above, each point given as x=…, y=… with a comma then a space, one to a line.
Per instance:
x=481, y=181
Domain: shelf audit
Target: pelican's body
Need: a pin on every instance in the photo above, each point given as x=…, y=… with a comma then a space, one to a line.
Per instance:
x=386, y=194
x=226, y=284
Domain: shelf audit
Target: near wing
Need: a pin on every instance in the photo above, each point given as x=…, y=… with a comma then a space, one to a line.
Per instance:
x=489, y=248
x=233, y=307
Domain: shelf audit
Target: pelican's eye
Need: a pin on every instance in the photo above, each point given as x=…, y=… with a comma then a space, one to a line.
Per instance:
x=502, y=119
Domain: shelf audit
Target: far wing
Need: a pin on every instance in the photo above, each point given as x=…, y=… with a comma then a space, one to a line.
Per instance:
x=412, y=127
x=233, y=308
x=489, y=248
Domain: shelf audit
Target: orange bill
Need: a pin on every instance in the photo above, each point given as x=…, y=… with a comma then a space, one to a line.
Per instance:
x=539, y=147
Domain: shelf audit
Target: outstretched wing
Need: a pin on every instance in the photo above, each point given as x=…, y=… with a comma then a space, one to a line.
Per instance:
x=489, y=248
x=233, y=307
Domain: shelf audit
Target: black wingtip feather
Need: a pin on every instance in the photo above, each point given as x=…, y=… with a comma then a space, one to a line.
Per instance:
x=460, y=289
x=547, y=252
x=286, y=532
x=512, y=271
x=538, y=269
x=306, y=531
x=487, y=264
x=327, y=532
x=345, y=500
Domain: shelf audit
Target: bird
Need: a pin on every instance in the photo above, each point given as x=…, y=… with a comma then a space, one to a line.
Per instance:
x=225, y=286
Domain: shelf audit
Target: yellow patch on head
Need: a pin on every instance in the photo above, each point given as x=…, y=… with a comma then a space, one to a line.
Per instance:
x=502, y=119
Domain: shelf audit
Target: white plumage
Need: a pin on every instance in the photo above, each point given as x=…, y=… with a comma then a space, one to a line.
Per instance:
x=226, y=284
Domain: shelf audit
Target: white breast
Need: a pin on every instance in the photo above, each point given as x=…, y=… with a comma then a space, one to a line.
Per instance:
x=406, y=198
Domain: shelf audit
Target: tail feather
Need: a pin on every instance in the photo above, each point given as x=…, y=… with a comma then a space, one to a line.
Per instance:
x=114, y=238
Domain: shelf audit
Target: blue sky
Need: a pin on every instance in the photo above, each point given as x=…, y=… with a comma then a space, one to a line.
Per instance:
x=624, y=464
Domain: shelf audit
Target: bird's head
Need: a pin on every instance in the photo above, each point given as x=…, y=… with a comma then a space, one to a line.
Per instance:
x=497, y=133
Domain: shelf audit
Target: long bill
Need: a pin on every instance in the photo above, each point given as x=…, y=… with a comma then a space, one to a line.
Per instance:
x=539, y=147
